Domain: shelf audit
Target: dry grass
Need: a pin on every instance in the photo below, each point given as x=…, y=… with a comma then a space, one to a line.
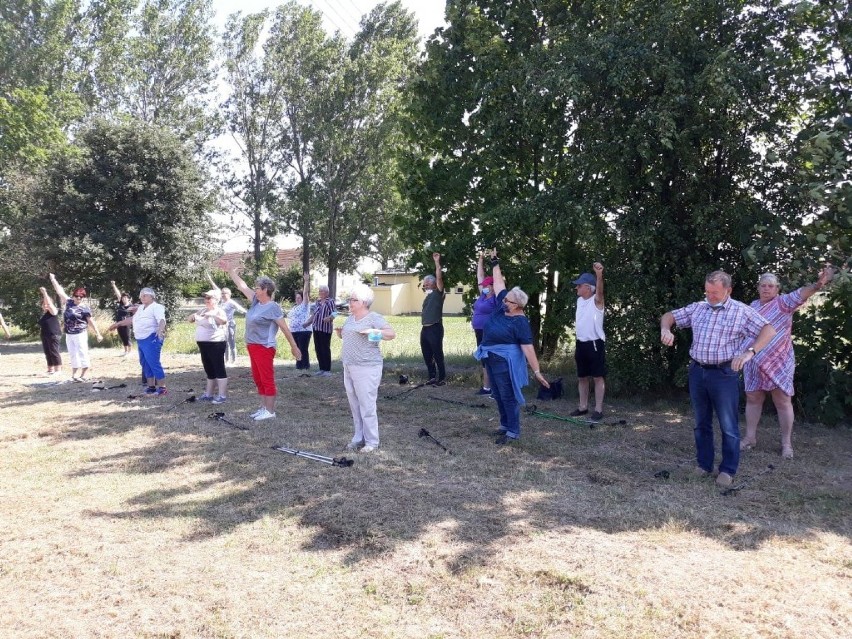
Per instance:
x=130, y=518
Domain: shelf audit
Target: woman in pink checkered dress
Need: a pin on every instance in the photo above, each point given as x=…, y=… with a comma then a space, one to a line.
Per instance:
x=772, y=370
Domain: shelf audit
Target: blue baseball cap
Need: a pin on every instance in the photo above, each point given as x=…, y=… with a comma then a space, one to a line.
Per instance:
x=586, y=278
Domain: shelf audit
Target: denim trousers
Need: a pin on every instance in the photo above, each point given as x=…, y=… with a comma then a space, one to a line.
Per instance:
x=432, y=347
x=504, y=395
x=716, y=389
x=149, y=356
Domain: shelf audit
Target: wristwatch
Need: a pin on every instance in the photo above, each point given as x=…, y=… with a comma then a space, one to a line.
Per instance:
x=751, y=348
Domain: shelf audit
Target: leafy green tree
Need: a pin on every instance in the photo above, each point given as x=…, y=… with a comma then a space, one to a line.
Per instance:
x=130, y=206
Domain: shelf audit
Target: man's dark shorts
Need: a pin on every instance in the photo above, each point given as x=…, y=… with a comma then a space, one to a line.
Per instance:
x=591, y=358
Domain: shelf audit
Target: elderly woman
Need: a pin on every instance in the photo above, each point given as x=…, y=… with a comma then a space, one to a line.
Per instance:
x=484, y=305
x=230, y=307
x=263, y=320
x=506, y=349
x=51, y=332
x=771, y=371
x=210, y=325
x=77, y=319
x=124, y=309
x=299, y=324
x=362, y=365
x=149, y=327
x=321, y=320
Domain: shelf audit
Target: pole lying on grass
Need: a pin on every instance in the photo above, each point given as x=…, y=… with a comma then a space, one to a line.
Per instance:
x=342, y=462
x=405, y=393
x=533, y=410
x=666, y=473
x=457, y=403
x=745, y=482
x=221, y=418
x=425, y=433
x=101, y=388
x=188, y=400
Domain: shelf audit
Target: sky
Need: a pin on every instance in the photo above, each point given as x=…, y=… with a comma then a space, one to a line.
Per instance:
x=338, y=15
x=341, y=15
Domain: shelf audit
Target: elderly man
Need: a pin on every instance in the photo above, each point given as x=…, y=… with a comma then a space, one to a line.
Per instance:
x=432, y=331
x=725, y=335
x=590, y=351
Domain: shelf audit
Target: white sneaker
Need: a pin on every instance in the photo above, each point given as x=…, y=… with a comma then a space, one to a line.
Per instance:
x=264, y=414
x=369, y=449
x=352, y=446
x=257, y=412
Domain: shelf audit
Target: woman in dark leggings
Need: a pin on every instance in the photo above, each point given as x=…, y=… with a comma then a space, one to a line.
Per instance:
x=51, y=333
x=210, y=328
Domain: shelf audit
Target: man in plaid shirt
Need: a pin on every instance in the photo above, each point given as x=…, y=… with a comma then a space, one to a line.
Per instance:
x=725, y=335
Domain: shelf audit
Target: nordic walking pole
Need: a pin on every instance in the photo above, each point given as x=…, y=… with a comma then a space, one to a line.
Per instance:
x=457, y=403
x=405, y=393
x=342, y=462
x=533, y=410
x=746, y=481
x=221, y=418
x=425, y=433
x=188, y=400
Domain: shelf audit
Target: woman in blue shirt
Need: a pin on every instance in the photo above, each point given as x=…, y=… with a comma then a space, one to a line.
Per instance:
x=506, y=349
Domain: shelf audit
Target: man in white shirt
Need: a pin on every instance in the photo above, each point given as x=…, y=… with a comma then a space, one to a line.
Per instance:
x=590, y=353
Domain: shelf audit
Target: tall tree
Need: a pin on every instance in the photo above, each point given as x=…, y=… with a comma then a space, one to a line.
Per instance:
x=130, y=205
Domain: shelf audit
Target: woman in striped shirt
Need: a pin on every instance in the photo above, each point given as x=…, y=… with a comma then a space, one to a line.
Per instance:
x=771, y=371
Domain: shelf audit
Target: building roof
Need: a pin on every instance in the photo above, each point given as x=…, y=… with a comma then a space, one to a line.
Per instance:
x=284, y=258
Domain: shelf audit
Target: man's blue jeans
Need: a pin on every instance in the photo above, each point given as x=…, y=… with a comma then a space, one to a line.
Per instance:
x=716, y=389
x=504, y=395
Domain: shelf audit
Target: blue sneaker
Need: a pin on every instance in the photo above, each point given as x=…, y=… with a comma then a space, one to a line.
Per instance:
x=161, y=391
x=483, y=391
x=220, y=400
x=206, y=398
x=150, y=390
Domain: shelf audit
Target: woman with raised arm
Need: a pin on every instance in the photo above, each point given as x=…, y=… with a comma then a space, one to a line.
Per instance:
x=230, y=307
x=484, y=305
x=263, y=320
x=362, y=333
x=506, y=349
x=51, y=333
x=771, y=371
x=123, y=310
x=297, y=318
x=77, y=319
x=210, y=326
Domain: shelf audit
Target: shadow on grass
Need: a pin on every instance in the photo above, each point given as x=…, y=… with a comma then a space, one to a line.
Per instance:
x=469, y=504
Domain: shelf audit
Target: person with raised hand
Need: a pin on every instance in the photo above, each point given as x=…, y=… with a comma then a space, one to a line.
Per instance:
x=772, y=371
x=590, y=345
x=76, y=319
x=507, y=348
x=263, y=320
x=432, y=329
x=483, y=306
x=230, y=306
x=51, y=332
x=123, y=310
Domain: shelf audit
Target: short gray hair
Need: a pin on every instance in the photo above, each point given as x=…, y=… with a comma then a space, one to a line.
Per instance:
x=520, y=297
x=323, y=287
x=718, y=277
x=769, y=277
x=363, y=293
x=266, y=283
x=429, y=278
x=148, y=291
